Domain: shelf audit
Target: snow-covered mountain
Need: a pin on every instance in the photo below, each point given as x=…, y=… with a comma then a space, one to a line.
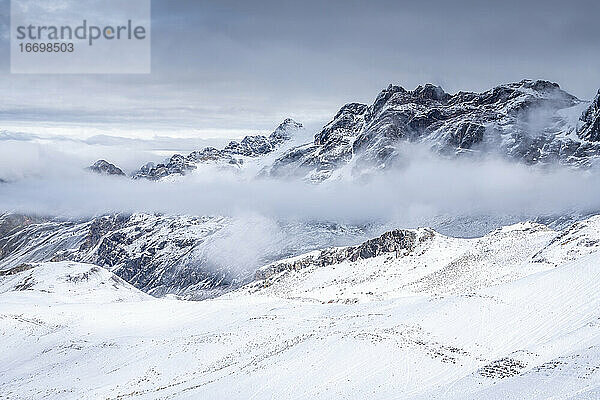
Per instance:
x=429, y=263
x=533, y=122
x=412, y=314
x=529, y=121
x=297, y=307
x=193, y=257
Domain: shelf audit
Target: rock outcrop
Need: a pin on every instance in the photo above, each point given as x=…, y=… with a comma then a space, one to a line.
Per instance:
x=105, y=168
x=400, y=242
x=590, y=128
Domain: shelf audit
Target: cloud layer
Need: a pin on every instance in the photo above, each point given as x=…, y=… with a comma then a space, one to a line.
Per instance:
x=424, y=187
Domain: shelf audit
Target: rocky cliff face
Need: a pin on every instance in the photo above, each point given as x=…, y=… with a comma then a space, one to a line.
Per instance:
x=157, y=254
x=590, y=128
x=528, y=121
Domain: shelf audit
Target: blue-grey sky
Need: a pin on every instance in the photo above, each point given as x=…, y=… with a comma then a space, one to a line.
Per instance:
x=243, y=64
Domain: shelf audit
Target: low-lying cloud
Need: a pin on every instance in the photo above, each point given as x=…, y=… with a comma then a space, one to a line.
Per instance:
x=426, y=186
x=275, y=218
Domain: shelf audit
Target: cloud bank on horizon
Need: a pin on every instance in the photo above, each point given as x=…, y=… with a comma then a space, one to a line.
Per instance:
x=232, y=65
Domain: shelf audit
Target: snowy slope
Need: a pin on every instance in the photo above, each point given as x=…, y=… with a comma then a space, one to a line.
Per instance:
x=410, y=315
x=66, y=282
x=434, y=264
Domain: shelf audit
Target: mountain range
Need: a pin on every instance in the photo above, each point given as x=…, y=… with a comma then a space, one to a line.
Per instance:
x=531, y=122
x=470, y=306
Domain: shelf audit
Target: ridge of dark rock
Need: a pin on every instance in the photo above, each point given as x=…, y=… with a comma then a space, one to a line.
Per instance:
x=249, y=146
x=519, y=121
x=590, y=129
x=105, y=168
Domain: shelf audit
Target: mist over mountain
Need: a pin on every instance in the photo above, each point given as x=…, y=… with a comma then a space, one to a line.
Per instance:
x=501, y=189
x=464, y=163
x=307, y=200
x=526, y=147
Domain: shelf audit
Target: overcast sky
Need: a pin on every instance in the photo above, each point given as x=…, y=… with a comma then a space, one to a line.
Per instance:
x=248, y=64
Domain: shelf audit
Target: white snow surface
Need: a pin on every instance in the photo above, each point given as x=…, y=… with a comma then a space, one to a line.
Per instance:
x=66, y=282
x=512, y=315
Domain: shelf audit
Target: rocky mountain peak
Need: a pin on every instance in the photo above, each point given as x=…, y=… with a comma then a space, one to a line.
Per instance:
x=540, y=85
x=289, y=123
x=431, y=92
x=385, y=95
x=346, y=120
x=105, y=168
x=285, y=130
x=351, y=108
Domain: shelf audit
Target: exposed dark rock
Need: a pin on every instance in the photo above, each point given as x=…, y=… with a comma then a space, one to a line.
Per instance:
x=502, y=368
x=26, y=284
x=431, y=92
x=466, y=135
x=249, y=146
x=516, y=120
x=349, y=119
x=400, y=242
x=106, y=168
x=16, y=270
x=590, y=129
x=99, y=227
